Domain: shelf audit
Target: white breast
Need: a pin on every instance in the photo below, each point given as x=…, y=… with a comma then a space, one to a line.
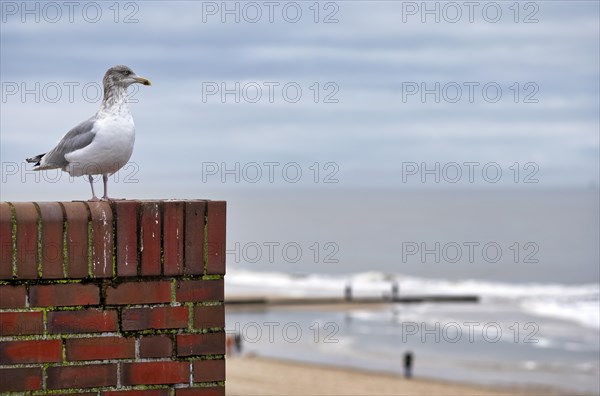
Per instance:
x=109, y=151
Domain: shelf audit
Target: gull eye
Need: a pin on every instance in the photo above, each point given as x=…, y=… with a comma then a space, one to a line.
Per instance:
x=127, y=72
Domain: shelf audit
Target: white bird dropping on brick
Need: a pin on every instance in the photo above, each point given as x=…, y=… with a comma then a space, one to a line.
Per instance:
x=102, y=144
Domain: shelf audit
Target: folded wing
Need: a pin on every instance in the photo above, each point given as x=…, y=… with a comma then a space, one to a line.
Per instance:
x=77, y=138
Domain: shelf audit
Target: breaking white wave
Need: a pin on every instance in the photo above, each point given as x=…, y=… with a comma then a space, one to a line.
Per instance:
x=579, y=303
x=584, y=312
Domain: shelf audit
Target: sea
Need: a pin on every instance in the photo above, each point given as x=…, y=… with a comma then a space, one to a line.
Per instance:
x=531, y=257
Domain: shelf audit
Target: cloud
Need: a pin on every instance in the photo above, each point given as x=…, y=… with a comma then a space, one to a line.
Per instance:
x=370, y=56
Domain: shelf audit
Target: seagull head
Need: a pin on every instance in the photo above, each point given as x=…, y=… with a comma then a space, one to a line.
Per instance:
x=123, y=76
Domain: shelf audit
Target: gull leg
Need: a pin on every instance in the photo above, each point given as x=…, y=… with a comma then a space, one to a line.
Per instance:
x=94, y=197
x=105, y=182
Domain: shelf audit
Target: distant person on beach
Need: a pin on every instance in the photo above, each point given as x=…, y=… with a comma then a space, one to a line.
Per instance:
x=395, y=290
x=408, y=363
x=238, y=343
x=229, y=343
x=348, y=292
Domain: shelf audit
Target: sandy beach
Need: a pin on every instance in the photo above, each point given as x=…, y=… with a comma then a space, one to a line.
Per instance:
x=262, y=376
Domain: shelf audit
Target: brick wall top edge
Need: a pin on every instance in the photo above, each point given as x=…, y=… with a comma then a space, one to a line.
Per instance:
x=124, y=200
x=112, y=239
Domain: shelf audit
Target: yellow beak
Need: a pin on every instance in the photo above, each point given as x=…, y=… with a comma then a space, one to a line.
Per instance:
x=143, y=80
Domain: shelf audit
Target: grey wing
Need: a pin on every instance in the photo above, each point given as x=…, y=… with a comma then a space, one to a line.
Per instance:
x=77, y=138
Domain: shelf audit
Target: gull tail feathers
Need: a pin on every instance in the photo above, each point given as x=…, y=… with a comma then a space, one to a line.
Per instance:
x=36, y=161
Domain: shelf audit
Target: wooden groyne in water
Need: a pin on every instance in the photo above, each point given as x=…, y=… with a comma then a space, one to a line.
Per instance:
x=303, y=301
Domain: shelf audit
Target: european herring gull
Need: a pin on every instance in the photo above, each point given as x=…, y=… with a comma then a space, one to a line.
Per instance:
x=102, y=144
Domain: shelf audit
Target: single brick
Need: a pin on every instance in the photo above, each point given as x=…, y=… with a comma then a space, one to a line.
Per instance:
x=51, y=215
x=155, y=318
x=27, y=240
x=12, y=296
x=209, y=370
x=139, y=293
x=102, y=239
x=201, y=344
x=35, y=351
x=155, y=373
x=77, y=238
x=100, y=348
x=84, y=321
x=20, y=379
x=195, y=212
x=148, y=392
x=204, y=391
x=6, y=241
x=127, y=240
x=216, y=237
x=76, y=394
x=150, y=237
x=64, y=295
x=88, y=376
x=200, y=290
x=21, y=323
x=156, y=346
x=173, y=235
x=207, y=317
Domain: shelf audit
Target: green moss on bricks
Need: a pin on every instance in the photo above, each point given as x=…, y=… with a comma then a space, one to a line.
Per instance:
x=208, y=384
x=42, y=282
x=33, y=337
x=114, y=245
x=45, y=320
x=197, y=277
x=55, y=281
x=96, y=389
x=135, y=333
x=39, y=240
x=173, y=291
x=212, y=277
x=205, y=357
x=144, y=387
x=65, y=249
x=91, y=390
x=13, y=222
x=90, y=249
x=210, y=303
x=205, y=258
x=70, y=308
x=191, y=316
x=66, y=391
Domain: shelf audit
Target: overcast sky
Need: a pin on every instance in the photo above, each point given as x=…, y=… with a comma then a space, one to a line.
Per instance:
x=365, y=69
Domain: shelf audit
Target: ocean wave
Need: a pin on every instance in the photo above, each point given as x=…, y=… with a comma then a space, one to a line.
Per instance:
x=584, y=312
x=576, y=303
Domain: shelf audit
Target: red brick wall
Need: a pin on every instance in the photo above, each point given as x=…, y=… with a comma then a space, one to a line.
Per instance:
x=123, y=298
